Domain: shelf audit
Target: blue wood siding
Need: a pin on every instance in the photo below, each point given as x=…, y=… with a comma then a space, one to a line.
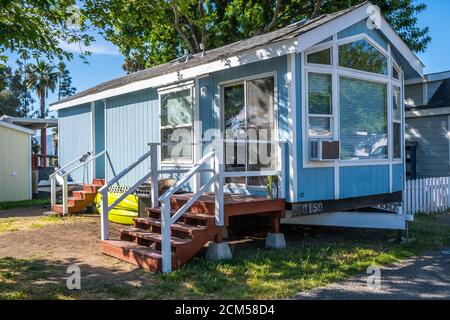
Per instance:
x=74, y=134
x=131, y=123
x=99, y=138
x=363, y=181
x=315, y=184
x=361, y=27
x=209, y=103
x=397, y=177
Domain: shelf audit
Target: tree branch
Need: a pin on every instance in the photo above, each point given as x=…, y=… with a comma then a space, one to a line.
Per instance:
x=318, y=4
x=274, y=20
x=180, y=31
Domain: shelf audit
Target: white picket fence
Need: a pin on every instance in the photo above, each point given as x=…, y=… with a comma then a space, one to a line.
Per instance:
x=430, y=195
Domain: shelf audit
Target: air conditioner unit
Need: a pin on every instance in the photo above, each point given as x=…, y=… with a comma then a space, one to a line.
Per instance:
x=323, y=150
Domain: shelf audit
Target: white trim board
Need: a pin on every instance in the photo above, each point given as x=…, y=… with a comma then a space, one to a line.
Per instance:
x=370, y=220
x=299, y=44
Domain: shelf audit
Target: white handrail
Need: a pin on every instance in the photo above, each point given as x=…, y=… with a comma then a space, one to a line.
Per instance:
x=171, y=191
x=84, y=163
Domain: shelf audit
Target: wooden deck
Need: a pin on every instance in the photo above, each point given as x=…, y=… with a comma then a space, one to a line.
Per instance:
x=141, y=244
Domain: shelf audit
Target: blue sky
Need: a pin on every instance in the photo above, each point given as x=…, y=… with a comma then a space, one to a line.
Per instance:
x=106, y=62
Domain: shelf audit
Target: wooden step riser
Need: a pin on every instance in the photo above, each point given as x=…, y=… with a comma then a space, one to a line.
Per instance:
x=197, y=207
x=131, y=257
x=149, y=243
x=157, y=229
x=186, y=220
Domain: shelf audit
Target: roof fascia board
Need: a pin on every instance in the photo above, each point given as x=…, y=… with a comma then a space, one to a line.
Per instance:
x=311, y=38
x=263, y=53
x=318, y=34
x=16, y=127
x=427, y=112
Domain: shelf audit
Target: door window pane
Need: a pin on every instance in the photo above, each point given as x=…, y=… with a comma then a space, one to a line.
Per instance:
x=260, y=111
x=361, y=55
x=234, y=101
x=320, y=57
x=363, y=119
x=181, y=151
x=319, y=93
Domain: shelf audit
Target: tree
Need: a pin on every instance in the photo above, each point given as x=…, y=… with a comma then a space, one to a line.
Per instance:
x=65, y=88
x=148, y=33
x=15, y=98
x=42, y=77
x=38, y=26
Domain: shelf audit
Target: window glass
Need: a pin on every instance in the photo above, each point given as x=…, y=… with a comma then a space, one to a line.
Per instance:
x=320, y=57
x=361, y=55
x=319, y=126
x=176, y=108
x=319, y=93
x=397, y=145
x=363, y=119
x=396, y=103
x=395, y=73
x=176, y=126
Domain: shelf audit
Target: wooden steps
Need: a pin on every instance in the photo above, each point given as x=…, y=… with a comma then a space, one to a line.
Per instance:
x=80, y=200
x=141, y=244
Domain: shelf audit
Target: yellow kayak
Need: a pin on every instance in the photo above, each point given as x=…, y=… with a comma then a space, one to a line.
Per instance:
x=124, y=212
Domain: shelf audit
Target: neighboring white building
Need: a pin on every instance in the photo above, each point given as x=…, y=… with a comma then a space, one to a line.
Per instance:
x=15, y=162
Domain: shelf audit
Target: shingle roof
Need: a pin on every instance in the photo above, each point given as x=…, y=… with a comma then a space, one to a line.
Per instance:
x=286, y=33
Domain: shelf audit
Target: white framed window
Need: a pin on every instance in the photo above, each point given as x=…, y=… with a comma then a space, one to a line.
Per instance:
x=397, y=106
x=319, y=104
x=349, y=100
x=176, y=125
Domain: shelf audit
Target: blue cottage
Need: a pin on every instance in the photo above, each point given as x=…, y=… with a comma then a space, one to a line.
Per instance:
x=313, y=110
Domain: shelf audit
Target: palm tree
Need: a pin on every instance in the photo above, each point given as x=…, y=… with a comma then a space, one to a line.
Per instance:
x=42, y=77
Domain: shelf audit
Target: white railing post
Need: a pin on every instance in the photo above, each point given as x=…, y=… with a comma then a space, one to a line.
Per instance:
x=65, y=194
x=165, y=241
x=53, y=190
x=219, y=168
x=154, y=173
x=104, y=217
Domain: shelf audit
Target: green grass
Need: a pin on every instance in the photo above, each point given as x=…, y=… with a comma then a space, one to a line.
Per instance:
x=254, y=273
x=27, y=223
x=24, y=204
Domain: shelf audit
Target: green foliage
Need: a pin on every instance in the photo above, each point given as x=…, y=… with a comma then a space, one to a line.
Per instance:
x=149, y=33
x=42, y=77
x=65, y=88
x=37, y=27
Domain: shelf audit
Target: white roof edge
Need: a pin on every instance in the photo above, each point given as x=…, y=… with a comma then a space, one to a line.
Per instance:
x=263, y=53
x=16, y=127
x=303, y=42
x=438, y=76
x=316, y=35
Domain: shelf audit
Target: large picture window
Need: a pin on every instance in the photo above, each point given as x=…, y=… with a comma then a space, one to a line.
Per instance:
x=176, y=126
x=363, y=119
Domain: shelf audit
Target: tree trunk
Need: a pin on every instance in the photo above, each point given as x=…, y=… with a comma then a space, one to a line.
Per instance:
x=43, y=130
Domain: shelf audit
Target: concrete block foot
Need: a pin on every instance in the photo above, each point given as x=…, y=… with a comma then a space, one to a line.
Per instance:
x=275, y=241
x=218, y=251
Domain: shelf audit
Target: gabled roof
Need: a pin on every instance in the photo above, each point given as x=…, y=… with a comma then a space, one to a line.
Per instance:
x=440, y=99
x=226, y=55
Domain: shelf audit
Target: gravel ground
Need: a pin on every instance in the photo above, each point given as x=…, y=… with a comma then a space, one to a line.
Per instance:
x=424, y=277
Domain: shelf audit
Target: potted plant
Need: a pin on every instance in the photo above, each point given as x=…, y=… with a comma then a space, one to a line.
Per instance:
x=272, y=187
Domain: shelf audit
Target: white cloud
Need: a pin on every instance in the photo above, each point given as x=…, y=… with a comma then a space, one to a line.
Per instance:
x=99, y=47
